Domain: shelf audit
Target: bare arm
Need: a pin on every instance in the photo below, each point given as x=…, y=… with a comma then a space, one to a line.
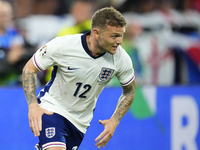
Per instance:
x=123, y=105
x=125, y=101
x=29, y=84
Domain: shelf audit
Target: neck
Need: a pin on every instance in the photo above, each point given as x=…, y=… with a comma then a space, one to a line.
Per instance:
x=93, y=46
x=90, y=44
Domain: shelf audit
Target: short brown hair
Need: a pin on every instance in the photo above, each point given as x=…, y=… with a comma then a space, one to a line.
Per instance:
x=108, y=16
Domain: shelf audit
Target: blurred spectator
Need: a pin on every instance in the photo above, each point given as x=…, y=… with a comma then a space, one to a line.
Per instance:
x=11, y=43
x=81, y=12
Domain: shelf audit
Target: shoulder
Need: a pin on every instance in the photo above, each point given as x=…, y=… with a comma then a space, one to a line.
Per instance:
x=122, y=60
x=71, y=36
x=66, y=43
x=69, y=39
x=121, y=54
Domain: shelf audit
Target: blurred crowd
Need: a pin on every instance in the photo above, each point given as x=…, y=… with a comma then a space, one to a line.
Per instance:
x=162, y=36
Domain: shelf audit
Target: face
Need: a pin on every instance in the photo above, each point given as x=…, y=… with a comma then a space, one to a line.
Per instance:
x=110, y=38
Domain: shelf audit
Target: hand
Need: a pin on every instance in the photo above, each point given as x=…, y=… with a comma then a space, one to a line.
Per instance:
x=35, y=118
x=109, y=129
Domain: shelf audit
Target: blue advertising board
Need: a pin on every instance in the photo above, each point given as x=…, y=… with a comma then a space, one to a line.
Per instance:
x=160, y=118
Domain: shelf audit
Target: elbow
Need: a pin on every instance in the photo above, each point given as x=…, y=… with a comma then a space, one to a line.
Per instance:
x=30, y=67
x=25, y=69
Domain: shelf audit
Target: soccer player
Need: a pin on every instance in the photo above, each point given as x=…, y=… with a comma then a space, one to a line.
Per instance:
x=83, y=65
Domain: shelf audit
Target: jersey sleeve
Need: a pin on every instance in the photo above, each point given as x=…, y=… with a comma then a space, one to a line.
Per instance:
x=125, y=73
x=47, y=55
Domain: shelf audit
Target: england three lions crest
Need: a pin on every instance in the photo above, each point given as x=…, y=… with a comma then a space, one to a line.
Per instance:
x=50, y=132
x=106, y=73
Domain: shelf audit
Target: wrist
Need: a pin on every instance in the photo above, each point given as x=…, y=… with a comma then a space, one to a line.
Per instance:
x=33, y=105
x=114, y=120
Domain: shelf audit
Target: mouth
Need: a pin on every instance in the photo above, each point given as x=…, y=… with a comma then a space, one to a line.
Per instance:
x=114, y=47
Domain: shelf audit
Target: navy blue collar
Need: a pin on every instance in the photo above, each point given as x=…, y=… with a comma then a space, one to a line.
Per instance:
x=85, y=46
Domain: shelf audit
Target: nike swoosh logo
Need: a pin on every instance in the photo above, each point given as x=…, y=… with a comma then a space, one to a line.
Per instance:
x=72, y=68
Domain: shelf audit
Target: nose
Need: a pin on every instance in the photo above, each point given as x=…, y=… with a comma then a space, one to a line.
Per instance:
x=119, y=40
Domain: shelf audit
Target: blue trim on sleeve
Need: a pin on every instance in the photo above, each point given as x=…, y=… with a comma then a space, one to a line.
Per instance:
x=48, y=85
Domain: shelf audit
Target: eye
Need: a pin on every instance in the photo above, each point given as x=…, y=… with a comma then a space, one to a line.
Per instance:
x=114, y=36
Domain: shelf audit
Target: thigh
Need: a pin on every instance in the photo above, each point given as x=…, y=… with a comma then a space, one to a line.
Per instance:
x=57, y=133
x=53, y=133
x=74, y=137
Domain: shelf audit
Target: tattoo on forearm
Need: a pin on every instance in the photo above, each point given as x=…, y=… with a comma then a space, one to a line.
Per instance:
x=29, y=86
x=125, y=101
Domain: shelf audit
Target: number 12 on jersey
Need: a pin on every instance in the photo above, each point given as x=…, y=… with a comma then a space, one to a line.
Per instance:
x=80, y=85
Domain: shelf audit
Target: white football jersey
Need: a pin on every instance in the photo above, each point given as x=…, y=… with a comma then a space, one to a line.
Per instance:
x=78, y=77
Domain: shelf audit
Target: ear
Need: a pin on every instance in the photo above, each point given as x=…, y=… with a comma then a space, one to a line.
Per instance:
x=96, y=33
